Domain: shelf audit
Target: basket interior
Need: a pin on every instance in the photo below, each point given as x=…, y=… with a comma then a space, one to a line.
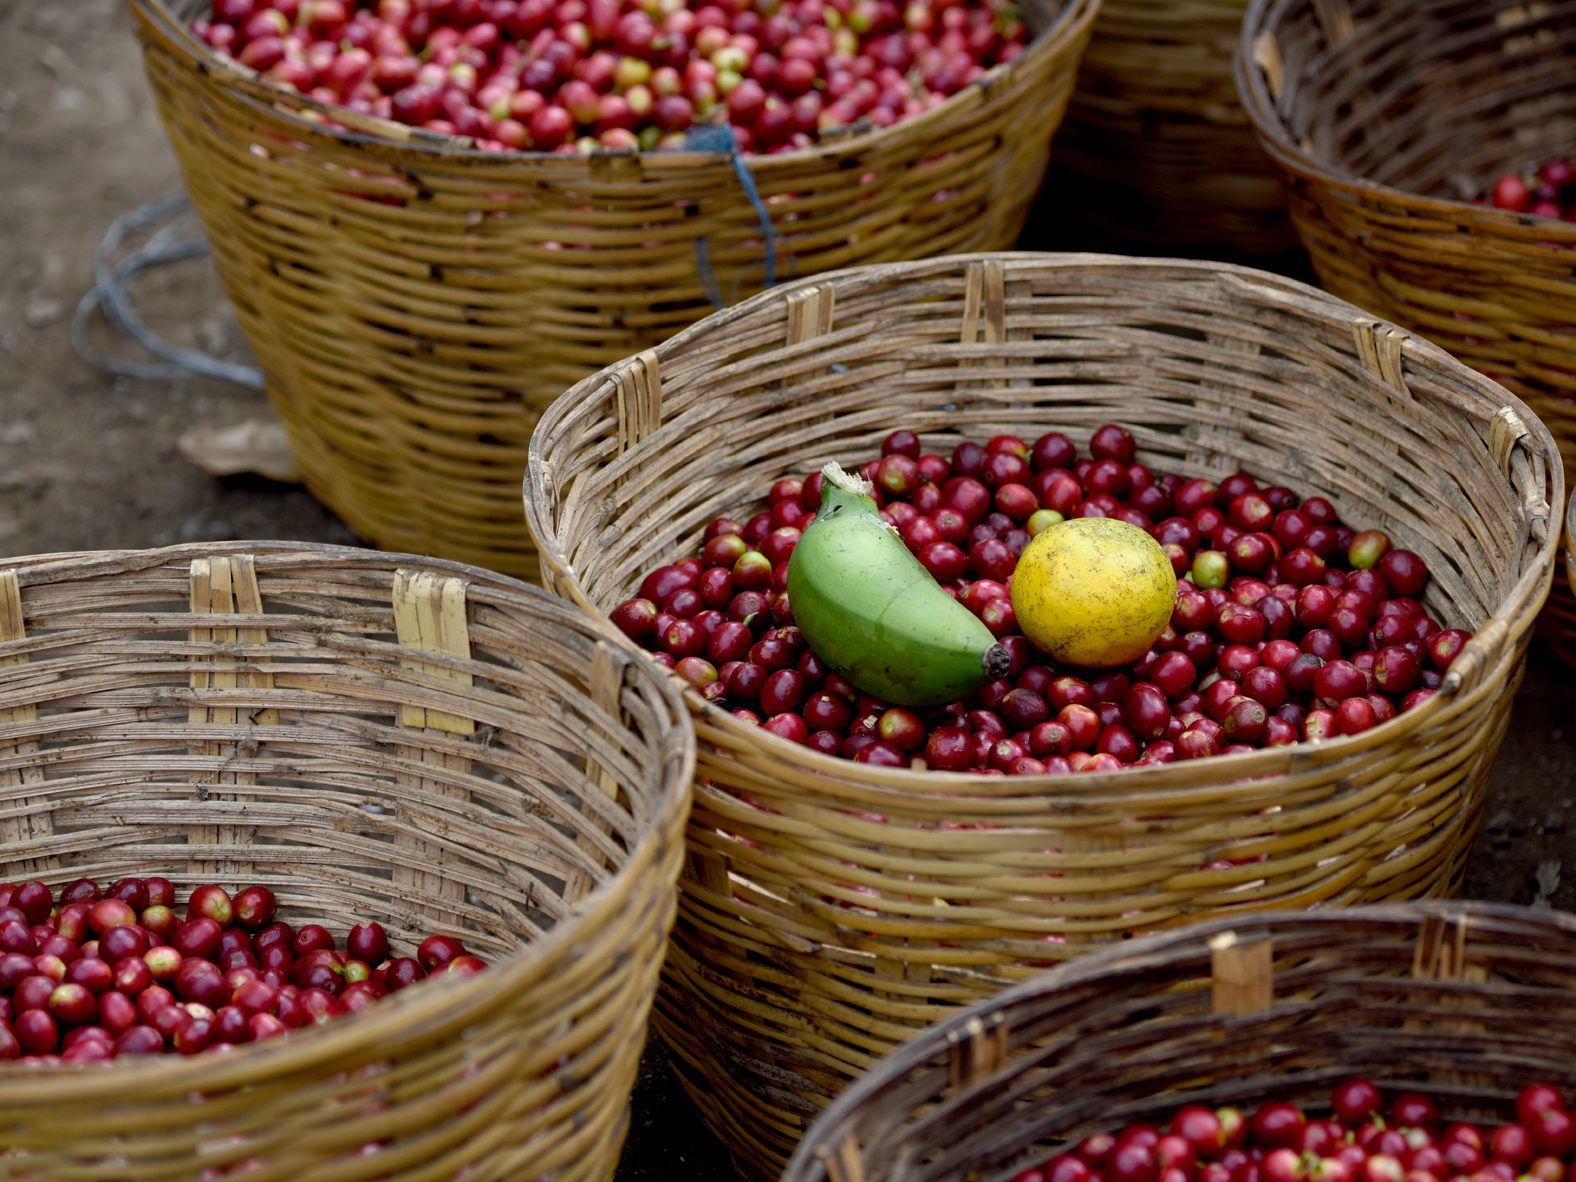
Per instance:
x=1213, y=369
x=422, y=745
x=1469, y=1003
x=1436, y=98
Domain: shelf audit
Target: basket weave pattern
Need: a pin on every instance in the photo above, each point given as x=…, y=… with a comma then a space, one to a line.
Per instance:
x=829, y=909
x=1156, y=126
x=373, y=737
x=1381, y=152
x=1468, y=1001
x=416, y=305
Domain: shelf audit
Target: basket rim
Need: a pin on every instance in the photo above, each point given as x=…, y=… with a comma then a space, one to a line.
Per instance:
x=409, y=1010
x=1254, y=95
x=1248, y=768
x=942, y=1035
x=398, y=143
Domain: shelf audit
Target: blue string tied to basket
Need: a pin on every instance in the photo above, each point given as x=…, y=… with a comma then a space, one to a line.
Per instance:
x=171, y=238
x=719, y=137
x=167, y=217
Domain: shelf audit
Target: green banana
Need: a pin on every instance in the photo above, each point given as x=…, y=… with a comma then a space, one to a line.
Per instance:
x=873, y=613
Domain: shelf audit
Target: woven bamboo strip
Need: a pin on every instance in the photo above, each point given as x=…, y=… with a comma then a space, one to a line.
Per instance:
x=222, y=587
x=373, y=736
x=830, y=910
x=22, y=822
x=416, y=305
x=1467, y=1001
x=429, y=617
x=1383, y=121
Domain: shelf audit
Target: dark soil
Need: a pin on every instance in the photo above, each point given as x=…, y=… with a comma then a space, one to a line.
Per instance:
x=90, y=462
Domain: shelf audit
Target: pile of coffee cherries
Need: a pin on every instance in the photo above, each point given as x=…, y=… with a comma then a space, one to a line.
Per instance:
x=579, y=75
x=1361, y=1140
x=1548, y=191
x=1289, y=625
x=98, y=974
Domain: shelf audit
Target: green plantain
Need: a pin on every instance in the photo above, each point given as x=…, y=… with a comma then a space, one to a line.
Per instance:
x=873, y=613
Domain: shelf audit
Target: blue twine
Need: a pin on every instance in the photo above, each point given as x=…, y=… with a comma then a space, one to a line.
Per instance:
x=110, y=295
x=718, y=137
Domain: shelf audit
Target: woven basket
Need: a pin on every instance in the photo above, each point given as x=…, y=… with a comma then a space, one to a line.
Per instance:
x=1470, y=1002
x=813, y=938
x=1381, y=151
x=1156, y=135
x=372, y=736
x=416, y=304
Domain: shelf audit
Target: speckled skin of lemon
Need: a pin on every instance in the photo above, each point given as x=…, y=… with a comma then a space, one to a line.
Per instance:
x=1093, y=592
x=873, y=613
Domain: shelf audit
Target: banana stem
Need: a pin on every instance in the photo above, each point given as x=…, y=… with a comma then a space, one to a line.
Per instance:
x=998, y=662
x=834, y=474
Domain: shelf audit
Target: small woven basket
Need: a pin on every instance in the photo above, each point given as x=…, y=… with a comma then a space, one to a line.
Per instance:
x=372, y=736
x=416, y=304
x=1158, y=140
x=826, y=913
x=1381, y=153
x=1470, y=1002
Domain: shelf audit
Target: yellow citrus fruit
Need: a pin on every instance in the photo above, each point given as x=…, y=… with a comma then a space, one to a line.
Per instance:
x=1093, y=592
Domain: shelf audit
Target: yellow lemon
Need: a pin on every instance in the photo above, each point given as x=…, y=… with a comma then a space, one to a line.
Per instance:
x=1093, y=592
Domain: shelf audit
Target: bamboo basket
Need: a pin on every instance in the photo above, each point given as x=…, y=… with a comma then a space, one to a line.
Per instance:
x=1162, y=153
x=1381, y=152
x=372, y=736
x=416, y=304
x=1468, y=1002
x=825, y=913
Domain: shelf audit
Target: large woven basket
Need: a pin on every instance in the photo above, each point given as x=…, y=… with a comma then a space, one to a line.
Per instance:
x=417, y=304
x=1470, y=1002
x=814, y=936
x=1156, y=136
x=1381, y=152
x=373, y=736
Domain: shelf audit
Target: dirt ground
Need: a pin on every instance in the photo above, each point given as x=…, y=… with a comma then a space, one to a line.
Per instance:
x=89, y=462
